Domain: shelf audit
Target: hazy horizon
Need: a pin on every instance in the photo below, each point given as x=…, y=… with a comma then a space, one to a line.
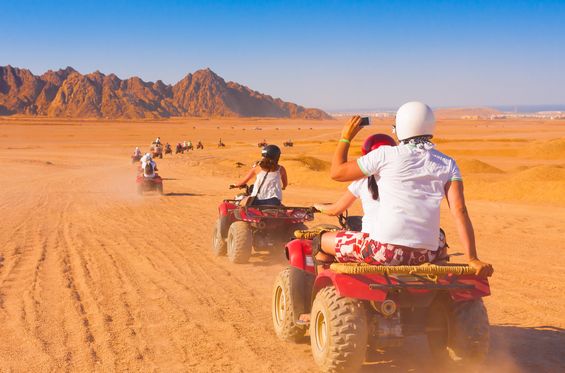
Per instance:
x=330, y=55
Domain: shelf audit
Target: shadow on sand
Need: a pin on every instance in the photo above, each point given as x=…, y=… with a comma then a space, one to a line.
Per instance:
x=513, y=349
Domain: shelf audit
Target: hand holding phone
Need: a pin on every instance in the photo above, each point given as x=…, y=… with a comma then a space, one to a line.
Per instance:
x=364, y=122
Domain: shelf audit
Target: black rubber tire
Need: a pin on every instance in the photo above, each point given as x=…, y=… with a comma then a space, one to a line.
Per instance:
x=219, y=246
x=326, y=226
x=345, y=321
x=459, y=332
x=287, y=299
x=240, y=242
x=289, y=236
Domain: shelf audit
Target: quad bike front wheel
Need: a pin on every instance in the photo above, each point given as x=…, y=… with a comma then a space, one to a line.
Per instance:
x=288, y=303
x=338, y=332
x=219, y=246
x=240, y=242
x=458, y=332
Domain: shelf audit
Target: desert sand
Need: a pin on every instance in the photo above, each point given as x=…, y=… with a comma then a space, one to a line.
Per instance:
x=94, y=277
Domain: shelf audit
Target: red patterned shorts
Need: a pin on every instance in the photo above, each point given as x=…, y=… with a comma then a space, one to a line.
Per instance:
x=358, y=247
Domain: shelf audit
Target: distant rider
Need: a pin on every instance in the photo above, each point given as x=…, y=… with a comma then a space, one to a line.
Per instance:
x=137, y=152
x=148, y=166
x=270, y=178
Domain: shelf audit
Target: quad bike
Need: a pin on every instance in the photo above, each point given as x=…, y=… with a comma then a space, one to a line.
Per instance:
x=200, y=146
x=157, y=150
x=262, y=144
x=240, y=229
x=221, y=145
x=288, y=144
x=146, y=184
x=351, y=308
x=168, y=149
x=135, y=158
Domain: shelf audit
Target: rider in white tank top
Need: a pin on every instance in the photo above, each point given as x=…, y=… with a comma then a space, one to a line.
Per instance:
x=271, y=187
x=270, y=178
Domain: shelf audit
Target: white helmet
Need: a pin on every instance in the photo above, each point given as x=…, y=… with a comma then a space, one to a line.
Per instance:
x=414, y=119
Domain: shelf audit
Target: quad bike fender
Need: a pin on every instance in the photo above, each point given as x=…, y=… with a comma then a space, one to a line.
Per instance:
x=299, y=255
x=225, y=208
x=358, y=286
x=481, y=288
x=351, y=286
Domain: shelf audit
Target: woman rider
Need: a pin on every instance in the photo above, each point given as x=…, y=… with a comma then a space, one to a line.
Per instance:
x=365, y=189
x=270, y=178
x=413, y=178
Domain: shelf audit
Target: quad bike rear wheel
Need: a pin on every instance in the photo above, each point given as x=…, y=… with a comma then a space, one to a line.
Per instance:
x=240, y=242
x=288, y=300
x=338, y=332
x=289, y=236
x=459, y=332
x=219, y=246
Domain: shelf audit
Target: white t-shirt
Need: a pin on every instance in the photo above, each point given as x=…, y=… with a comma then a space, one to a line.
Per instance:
x=411, y=184
x=360, y=189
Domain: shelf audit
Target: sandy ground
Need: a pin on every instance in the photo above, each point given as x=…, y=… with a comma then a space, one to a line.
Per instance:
x=96, y=278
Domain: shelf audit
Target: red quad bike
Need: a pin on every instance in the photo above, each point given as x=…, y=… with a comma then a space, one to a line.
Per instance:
x=146, y=184
x=351, y=308
x=240, y=229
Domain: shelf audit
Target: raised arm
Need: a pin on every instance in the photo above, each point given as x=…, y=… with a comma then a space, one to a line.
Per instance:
x=341, y=169
x=456, y=202
x=342, y=204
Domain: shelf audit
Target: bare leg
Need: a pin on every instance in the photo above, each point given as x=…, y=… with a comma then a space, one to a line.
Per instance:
x=328, y=242
x=328, y=247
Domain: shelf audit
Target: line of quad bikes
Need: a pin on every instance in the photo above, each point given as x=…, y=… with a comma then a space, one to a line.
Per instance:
x=155, y=184
x=349, y=315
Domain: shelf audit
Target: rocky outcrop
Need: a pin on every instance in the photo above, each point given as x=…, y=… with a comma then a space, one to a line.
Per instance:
x=67, y=93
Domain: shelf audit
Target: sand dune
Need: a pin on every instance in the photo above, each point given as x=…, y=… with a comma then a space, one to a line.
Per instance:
x=95, y=278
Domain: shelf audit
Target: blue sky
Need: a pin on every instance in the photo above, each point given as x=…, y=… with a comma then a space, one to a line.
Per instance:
x=328, y=54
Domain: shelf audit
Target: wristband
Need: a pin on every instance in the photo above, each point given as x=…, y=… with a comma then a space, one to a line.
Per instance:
x=345, y=141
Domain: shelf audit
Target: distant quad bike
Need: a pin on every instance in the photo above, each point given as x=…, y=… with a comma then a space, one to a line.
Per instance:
x=179, y=148
x=135, y=158
x=221, y=145
x=349, y=308
x=240, y=229
x=262, y=144
x=146, y=184
x=168, y=149
x=200, y=146
x=288, y=144
x=157, y=151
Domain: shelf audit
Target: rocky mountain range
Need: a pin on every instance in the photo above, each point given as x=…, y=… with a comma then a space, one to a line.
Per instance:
x=68, y=93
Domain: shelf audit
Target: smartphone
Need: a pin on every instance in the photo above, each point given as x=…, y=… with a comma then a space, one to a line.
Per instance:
x=364, y=122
